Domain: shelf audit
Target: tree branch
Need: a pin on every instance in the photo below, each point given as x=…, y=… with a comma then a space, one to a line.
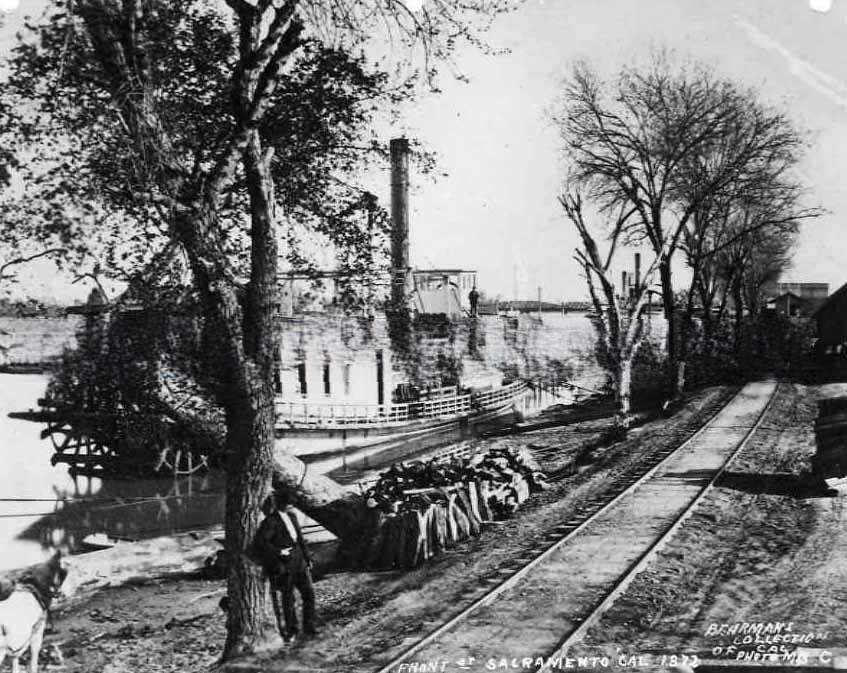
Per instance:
x=25, y=259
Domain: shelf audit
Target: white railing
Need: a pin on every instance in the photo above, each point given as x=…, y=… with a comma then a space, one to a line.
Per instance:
x=329, y=415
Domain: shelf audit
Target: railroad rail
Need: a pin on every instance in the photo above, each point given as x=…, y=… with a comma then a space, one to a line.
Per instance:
x=542, y=611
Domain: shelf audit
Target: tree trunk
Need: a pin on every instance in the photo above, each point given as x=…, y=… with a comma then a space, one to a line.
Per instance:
x=707, y=301
x=623, y=393
x=669, y=306
x=250, y=435
x=251, y=432
x=738, y=301
x=685, y=335
x=339, y=509
x=250, y=420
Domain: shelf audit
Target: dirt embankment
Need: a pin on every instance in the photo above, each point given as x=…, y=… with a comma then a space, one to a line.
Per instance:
x=174, y=624
x=767, y=545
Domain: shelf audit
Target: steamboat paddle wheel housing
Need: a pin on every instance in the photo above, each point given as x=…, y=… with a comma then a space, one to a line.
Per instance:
x=117, y=442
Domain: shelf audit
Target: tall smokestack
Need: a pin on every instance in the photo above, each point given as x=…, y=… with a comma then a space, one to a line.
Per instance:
x=399, y=219
x=637, y=270
x=624, y=288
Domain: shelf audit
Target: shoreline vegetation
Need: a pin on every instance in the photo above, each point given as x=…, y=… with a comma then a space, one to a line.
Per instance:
x=31, y=308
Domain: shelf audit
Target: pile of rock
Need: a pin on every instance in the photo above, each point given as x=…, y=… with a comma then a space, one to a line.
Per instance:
x=420, y=509
x=830, y=462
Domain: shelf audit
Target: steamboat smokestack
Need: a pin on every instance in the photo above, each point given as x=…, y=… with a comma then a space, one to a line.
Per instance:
x=399, y=219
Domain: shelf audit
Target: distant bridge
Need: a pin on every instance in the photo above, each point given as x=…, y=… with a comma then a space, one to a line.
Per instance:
x=523, y=306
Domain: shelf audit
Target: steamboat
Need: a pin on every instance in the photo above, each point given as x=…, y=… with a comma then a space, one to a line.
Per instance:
x=423, y=368
x=346, y=399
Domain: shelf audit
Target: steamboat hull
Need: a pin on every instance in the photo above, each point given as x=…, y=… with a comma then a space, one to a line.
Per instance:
x=346, y=454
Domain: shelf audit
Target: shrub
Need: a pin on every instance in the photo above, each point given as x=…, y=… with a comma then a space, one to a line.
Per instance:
x=649, y=373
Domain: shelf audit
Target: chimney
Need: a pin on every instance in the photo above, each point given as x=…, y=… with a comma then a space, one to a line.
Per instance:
x=637, y=270
x=399, y=219
x=624, y=287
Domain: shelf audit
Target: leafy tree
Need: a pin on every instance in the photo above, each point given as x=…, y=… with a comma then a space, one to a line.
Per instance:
x=184, y=132
x=733, y=253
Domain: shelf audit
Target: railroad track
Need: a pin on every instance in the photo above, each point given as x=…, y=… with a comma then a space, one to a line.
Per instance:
x=533, y=609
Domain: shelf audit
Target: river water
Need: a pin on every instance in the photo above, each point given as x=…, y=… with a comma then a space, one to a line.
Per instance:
x=42, y=505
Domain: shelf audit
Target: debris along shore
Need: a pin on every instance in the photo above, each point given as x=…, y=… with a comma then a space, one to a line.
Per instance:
x=421, y=509
x=162, y=617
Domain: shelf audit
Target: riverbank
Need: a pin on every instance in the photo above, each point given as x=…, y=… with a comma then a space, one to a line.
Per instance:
x=162, y=617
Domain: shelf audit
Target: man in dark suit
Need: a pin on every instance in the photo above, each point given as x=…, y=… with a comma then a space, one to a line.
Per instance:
x=285, y=556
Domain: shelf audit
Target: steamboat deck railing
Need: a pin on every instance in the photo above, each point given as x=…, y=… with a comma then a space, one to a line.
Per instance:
x=334, y=415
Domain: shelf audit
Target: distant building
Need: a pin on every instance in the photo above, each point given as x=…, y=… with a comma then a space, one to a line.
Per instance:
x=832, y=319
x=816, y=293
x=792, y=305
x=442, y=291
x=795, y=299
x=805, y=290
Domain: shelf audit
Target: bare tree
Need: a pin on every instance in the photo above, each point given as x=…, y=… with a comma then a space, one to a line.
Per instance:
x=619, y=317
x=726, y=233
x=750, y=261
x=637, y=143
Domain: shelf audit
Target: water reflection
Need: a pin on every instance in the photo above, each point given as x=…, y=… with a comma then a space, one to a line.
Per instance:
x=128, y=510
x=42, y=505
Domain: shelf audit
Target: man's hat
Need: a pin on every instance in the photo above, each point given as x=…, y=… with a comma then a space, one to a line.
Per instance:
x=269, y=504
x=283, y=499
x=276, y=500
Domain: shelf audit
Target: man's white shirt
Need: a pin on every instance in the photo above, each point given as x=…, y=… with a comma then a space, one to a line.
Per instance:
x=289, y=524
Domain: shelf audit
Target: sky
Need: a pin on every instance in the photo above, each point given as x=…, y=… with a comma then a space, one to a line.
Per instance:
x=497, y=211
x=493, y=207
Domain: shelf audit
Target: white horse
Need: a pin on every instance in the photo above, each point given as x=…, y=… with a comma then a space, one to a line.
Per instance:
x=23, y=614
